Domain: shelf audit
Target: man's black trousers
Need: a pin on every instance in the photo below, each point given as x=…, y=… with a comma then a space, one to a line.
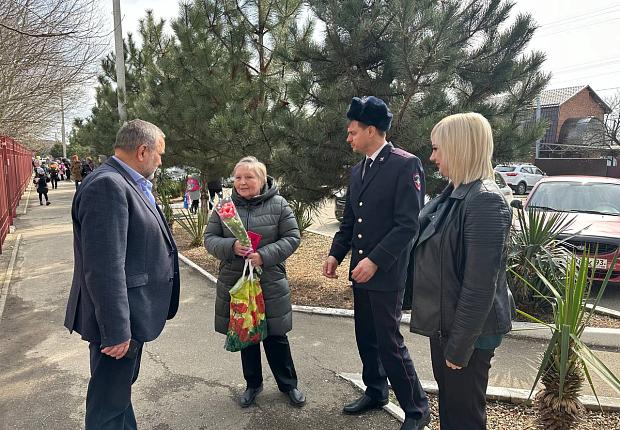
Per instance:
x=108, y=401
x=462, y=392
x=383, y=351
x=278, y=352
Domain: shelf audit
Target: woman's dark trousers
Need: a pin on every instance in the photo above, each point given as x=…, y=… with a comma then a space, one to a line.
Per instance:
x=55, y=182
x=278, y=352
x=462, y=392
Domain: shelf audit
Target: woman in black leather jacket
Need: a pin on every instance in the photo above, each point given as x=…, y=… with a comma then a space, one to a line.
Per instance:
x=460, y=297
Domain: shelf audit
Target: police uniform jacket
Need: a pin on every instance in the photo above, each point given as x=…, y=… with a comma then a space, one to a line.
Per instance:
x=381, y=217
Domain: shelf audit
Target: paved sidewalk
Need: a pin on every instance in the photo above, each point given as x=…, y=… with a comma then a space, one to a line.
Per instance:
x=187, y=381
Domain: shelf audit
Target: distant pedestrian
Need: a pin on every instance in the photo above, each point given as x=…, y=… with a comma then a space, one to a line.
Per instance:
x=76, y=169
x=41, y=183
x=215, y=189
x=67, y=164
x=87, y=167
x=54, y=174
x=193, y=189
x=63, y=170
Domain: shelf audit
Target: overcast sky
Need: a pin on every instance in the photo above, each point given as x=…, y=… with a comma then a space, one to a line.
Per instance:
x=580, y=38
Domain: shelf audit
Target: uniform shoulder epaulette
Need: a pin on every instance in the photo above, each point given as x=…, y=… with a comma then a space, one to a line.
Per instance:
x=401, y=153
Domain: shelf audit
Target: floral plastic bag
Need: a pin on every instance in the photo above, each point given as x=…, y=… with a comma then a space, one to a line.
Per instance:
x=247, y=325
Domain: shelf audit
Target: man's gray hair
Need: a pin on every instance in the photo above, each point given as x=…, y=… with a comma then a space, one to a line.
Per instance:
x=137, y=132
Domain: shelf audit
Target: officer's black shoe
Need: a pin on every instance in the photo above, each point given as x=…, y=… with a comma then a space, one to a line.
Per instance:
x=297, y=397
x=249, y=395
x=364, y=404
x=417, y=424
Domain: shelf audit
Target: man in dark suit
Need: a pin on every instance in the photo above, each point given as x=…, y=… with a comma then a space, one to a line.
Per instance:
x=384, y=197
x=126, y=273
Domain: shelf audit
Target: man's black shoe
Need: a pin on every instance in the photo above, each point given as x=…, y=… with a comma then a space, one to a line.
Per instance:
x=297, y=397
x=417, y=424
x=364, y=404
x=249, y=395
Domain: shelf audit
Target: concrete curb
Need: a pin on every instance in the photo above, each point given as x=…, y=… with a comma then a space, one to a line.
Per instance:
x=8, y=275
x=194, y=266
x=500, y=394
x=29, y=189
x=592, y=336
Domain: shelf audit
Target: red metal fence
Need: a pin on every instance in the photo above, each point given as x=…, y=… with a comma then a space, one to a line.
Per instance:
x=15, y=173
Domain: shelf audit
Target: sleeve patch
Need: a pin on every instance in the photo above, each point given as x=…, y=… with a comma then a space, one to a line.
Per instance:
x=417, y=181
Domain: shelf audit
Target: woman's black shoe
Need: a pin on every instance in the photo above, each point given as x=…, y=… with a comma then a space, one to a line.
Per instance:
x=364, y=404
x=249, y=395
x=297, y=397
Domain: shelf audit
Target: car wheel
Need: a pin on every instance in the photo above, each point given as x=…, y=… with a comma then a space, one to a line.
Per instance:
x=521, y=188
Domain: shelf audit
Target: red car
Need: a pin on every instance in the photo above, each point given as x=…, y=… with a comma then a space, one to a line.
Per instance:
x=595, y=203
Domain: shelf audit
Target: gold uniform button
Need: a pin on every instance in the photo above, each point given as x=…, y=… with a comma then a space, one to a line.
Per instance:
x=360, y=252
x=359, y=220
x=359, y=236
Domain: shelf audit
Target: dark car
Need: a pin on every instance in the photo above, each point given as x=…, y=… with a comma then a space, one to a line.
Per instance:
x=340, y=198
x=595, y=203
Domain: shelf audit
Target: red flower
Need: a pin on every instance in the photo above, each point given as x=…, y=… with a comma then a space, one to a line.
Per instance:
x=227, y=210
x=239, y=308
x=260, y=303
x=254, y=319
x=236, y=324
x=244, y=335
x=256, y=338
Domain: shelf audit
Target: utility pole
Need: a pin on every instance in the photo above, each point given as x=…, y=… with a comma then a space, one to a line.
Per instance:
x=538, y=119
x=62, y=126
x=120, y=61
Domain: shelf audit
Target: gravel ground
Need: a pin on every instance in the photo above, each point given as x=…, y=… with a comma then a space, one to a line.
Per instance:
x=508, y=416
x=304, y=268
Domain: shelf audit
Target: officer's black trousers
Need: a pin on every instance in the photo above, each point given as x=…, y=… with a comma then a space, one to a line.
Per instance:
x=383, y=351
x=278, y=352
x=462, y=392
x=108, y=401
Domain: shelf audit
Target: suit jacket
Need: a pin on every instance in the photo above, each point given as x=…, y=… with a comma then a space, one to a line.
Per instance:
x=126, y=269
x=380, y=217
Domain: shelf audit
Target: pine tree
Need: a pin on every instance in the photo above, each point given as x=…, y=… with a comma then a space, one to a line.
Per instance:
x=426, y=59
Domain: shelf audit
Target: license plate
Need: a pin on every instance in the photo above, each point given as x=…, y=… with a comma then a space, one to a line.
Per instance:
x=598, y=263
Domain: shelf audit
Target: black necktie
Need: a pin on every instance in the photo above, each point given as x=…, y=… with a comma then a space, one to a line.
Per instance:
x=366, y=167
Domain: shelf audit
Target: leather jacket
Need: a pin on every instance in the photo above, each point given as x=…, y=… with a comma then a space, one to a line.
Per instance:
x=459, y=271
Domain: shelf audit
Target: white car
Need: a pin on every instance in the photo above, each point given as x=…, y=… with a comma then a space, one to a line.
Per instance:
x=505, y=189
x=520, y=177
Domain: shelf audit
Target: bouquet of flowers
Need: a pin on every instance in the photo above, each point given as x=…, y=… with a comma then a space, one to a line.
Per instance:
x=248, y=324
x=227, y=211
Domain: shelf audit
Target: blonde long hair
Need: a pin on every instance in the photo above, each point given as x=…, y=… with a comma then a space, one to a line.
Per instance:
x=466, y=143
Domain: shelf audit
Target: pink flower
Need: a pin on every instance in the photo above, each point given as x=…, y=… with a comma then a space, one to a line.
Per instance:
x=227, y=210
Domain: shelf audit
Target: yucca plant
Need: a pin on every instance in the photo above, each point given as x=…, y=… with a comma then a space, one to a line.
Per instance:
x=194, y=225
x=166, y=206
x=535, y=245
x=304, y=213
x=567, y=362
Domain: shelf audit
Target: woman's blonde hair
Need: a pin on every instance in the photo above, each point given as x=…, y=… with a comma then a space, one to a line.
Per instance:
x=256, y=166
x=466, y=144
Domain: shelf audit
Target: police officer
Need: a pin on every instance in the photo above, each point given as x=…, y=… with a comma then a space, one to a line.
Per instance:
x=384, y=197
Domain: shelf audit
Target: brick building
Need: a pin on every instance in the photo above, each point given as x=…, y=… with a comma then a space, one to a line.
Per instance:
x=574, y=114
